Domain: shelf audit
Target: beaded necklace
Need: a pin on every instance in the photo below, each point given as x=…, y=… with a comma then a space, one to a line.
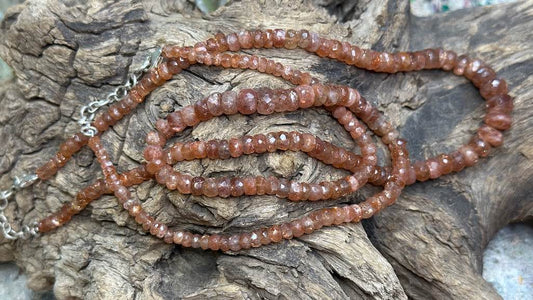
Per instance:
x=345, y=104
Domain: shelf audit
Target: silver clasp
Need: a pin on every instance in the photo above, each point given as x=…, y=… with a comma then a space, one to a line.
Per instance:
x=88, y=112
x=26, y=231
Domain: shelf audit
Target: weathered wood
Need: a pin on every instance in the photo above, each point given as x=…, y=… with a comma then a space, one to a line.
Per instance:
x=428, y=245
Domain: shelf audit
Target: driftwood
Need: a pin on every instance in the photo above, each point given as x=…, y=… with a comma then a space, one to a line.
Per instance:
x=429, y=245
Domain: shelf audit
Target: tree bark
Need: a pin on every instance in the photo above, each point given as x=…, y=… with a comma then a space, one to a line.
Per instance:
x=428, y=246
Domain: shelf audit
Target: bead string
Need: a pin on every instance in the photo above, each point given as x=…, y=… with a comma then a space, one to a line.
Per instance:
x=343, y=102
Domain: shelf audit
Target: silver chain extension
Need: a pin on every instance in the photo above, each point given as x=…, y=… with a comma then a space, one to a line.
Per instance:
x=88, y=112
x=26, y=231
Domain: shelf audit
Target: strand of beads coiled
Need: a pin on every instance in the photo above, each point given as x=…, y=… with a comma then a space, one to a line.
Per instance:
x=345, y=104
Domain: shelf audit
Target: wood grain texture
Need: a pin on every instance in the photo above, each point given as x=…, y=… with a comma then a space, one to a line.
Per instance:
x=427, y=246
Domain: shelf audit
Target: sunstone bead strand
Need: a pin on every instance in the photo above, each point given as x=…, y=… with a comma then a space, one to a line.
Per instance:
x=257, y=144
x=494, y=90
x=87, y=195
x=156, y=77
x=303, y=97
x=263, y=236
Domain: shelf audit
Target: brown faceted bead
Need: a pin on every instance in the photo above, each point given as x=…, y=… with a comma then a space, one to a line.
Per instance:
x=164, y=72
x=196, y=241
x=498, y=120
x=228, y=102
x=271, y=141
x=482, y=75
x=247, y=101
x=274, y=233
x=458, y=161
x=470, y=156
x=316, y=216
x=233, y=42
x=355, y=213
x=309, y=142
x=222, y=44
x=173, y=66
x=258, y=41
x=481, y=147
x=223, y=150
x=422, y=171
x=278, y=38
x=259, y=143
x=48, y=224
x=189, y=115
x=177, y=237
x=255, y=239
x=435, y=170
x=261, y=185
x=339, y=215
x=308, y=225
x=245, y=39
x=176, y=122
x=265, y=103
x=283, y=188
x=47, y=170
x=245, y=240
x=249, y=186
x=500, y=103
x=448, y=60
x=295, y=191
x=198, y=149
x=214, y=242
x=459, y=68
x=184, y=184
x=315, y=192
x=446, y=164
x=187, y=151
x=490, y=135
x=286, y=231
x=328, y=216
x=292, y=39
x=212, y=149
x=197, y=186
x=297, y=228
x=158, y=229
x=295, y=141
x=155, y=138
x=283, y=142
x=100, y=124
x=163, y=127
x=493, y=87
x=187, y=239
x=224, y=243
x=153, y=166
x=235, y=147
x=367, y=210
x=214, y=104
x=377, y=202
x=237, y=187
x=210, y=187
x=248, y=144
x=223, y=187
x=263, y=235
x=305, y=95
x=152, y=152
x=204, y=242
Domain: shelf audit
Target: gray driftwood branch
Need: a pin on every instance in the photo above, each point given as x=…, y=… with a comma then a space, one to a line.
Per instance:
x=429, y=245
